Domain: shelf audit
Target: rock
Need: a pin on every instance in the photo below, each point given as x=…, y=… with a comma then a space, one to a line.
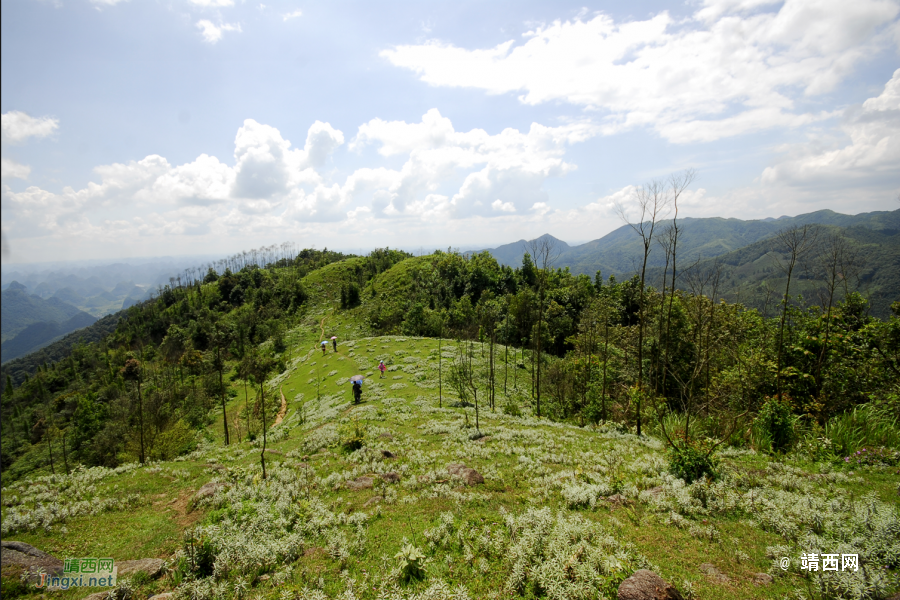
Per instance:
x=713, y=573
x=386, y=436
x=99, y=596
x=25, y=549
x=360, y=483
x=372, y=500
x=26, y=555
x=208, y=489
x=163, y=596
x=468, y=475
x=647, y=585
x=617, y=499
x=391, y=477
x=154, y=567
x=265, y=577
x=766, y=579
x=484, y=439
x=388, y=454
x=275, y=452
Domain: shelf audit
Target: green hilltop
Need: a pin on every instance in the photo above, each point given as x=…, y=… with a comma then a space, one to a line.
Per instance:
x=536, y=434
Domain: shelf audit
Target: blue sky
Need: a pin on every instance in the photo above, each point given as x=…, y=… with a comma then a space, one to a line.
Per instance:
x=136, y=128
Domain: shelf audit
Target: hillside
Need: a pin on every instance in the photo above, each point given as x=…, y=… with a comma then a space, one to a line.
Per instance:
x=751, y=275
x=18, y=309
x=619, y=252
x=477, y=466
x=520, y=506
x=38, y=335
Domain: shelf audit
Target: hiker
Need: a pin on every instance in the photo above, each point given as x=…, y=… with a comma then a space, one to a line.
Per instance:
x=357, y=392
x=324, y=345
x=382, y=368
x=334, y=342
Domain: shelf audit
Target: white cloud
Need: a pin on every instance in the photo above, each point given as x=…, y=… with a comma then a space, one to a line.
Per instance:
x=17, y=126
x=11, y=169
x=476, y=167
x=873, y=131
x=213, y=33
x=291, y=15
x=499, y=206
x=213, y=3
x=737, y=66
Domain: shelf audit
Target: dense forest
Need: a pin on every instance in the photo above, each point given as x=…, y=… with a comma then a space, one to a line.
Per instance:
x=701, y=370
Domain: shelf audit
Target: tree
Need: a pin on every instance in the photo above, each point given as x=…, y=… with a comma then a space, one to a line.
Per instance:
x=259, y=365
x=652, y=204
x=220, y=339
x=797, y=242
x=545, y=254
x=132, y=372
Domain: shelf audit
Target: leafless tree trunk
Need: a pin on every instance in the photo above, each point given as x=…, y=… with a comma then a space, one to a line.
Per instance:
x=652, y=204
x=797, y=241
x=545, y=254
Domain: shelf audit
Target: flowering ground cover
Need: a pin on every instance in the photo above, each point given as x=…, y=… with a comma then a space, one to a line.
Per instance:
x=358, y=501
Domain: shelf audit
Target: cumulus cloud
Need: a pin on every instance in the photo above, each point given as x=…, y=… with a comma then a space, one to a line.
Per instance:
x=475, y=167
x=17, y=126
x=292, y=15
x=873, y=132
x=11, y=169
x=734, y=67
x=212, y=33
x=270, y=186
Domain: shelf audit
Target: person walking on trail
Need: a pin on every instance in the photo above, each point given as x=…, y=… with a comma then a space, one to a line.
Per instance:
x=357, y=392
x=334, y=342
x=324, y=345
x=382, y=368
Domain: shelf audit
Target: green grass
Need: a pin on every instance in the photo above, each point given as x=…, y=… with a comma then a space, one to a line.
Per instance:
x=527, y=464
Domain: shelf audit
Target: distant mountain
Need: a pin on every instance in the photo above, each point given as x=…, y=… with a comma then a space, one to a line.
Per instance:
x=751, y=275
x=69, y=296
x=22, y=367
x=19, y=310
x=620, y=252
x=511, y=254
x=38, y=335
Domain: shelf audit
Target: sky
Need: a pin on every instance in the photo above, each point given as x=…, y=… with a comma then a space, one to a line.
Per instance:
x=166, y=127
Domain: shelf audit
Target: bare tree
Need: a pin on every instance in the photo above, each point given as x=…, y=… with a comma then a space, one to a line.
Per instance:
x=796, y=242
x=545, y=253
x=839, y=262
x=652, y=202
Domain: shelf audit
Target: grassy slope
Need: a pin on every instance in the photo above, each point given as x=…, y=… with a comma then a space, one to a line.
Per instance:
x=526, y=463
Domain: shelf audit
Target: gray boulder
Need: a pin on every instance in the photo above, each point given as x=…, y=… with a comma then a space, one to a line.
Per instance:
x=647, y=585
x=713, y=573
x=467, y=474
x=154, y=567
x=361, y=483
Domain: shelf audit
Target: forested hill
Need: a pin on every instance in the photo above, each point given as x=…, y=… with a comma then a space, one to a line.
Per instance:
x=620, y=252
x=586, y=349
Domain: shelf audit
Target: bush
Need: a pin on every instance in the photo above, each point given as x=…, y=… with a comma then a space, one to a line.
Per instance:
x=411, y=563
x=353, y=437
x=692, y=460
x=776, y=422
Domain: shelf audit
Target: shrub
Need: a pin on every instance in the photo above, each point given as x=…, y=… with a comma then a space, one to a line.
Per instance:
x=411, y=563
x=353, y=437
x=776, y=422
x=692, y=459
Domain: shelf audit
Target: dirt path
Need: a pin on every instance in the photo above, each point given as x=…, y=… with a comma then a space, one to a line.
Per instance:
x=283, y=409
x=322, y=327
